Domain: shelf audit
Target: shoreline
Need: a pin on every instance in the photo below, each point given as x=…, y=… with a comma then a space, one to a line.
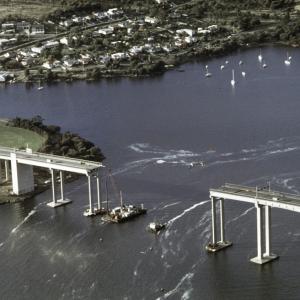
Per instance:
x=193, y=54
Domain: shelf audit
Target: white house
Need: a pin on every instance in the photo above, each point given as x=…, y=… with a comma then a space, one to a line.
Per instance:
x=161, y=1
x=64, y=41
x=47, y=65
x=37, y=49
x=135, y=50
x=106, y=31
x=119, y=55
x=51, y=44
x=151, y=20
x=37, y=29
x=189, y=32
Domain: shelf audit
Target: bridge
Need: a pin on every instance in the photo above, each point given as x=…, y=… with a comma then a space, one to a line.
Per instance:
x=19, y=164
x=264, y=200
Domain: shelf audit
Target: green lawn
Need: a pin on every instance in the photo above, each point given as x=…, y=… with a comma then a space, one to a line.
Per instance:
x=18, y=137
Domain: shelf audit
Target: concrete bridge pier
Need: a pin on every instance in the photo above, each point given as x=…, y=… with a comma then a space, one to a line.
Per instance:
x=262, y=258
x=22, y=176
x=222, y=243
x=6, y=163
x=90, y=211
x=62, y=201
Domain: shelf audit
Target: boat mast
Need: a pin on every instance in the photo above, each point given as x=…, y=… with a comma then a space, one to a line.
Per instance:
x=106, y=194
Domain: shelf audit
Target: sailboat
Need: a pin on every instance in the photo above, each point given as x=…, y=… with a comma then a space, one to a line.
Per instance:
x=207, y=74
x=260, y=57
x=232, y=80
x=288, y=59
x=40, y=87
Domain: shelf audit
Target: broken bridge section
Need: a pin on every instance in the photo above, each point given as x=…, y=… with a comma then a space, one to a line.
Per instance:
x=264, y=199
x=21, y=163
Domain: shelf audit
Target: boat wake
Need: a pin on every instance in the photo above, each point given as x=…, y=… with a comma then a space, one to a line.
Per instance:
x=155, y=155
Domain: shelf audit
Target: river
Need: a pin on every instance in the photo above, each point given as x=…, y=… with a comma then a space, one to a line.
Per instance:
x=151, y=130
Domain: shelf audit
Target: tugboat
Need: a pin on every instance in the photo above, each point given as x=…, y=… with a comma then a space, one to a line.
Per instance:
x=156, y=227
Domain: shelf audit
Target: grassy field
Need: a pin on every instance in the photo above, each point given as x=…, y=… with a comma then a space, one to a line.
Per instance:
x=18, y=138
x=30, y=9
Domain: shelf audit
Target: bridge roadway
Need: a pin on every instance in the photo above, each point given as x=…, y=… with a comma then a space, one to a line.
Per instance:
x=50, y=161
x=264, y=199
x=23, y=161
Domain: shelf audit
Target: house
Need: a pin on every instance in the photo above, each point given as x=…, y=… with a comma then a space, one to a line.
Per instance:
x=64, y=41
x=51, y=44
x=190, y=39
x=161, y=1
x=69, y=63
x=135, y=50
x=203, y=31
x=189, y=32
x=106, y=31
x=47, y=65
x=37, y=49
x=114, y=12
x=119, y=55
x=37, y=29
x=8, y=26
x=23, y=27
x=151, y=20
x=5, y=76
x=104, y=59
x=66, y=23
x=212, y=27
x=100, y=15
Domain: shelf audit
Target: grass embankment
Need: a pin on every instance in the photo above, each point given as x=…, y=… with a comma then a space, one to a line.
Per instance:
x=19, y=138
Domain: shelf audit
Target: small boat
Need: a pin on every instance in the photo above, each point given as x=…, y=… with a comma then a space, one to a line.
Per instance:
x=240, y=62
x=244, y=74
x=156, y=227
x=264, y=65
x=232, y=82
x=288, y=60
x=260, y=57
x=226, y=62
x=195, y=163
x=40, y=87
x=222, y=67
x=207, y=74
x=123, y=212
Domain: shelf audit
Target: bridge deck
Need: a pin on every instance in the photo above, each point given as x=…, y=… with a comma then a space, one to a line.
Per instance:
x=262, y=196
x=50, y=161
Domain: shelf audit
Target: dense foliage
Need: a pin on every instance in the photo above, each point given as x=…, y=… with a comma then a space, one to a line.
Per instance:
x=66, y=144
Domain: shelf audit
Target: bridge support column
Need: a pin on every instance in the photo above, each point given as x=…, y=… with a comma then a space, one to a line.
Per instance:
x=6, y=170
x=22, y=176
x=90, y=211
x=267, y=256
x=214, y=245
x=99, y=194
x=57, y=202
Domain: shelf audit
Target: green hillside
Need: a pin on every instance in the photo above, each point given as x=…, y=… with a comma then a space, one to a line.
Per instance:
x=19, y=138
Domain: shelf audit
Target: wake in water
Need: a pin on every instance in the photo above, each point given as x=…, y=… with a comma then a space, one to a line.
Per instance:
x=154, y=155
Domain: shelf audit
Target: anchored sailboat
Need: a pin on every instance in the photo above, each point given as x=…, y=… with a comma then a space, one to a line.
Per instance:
x=232, y=82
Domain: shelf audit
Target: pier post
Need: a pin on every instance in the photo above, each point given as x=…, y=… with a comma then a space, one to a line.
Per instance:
x=214, y=245
x=99, y=194
x=61, y=184
x=222, y=229
x=90, y=212
x=213, y=220
x=6, y=170
x=53, y=187
x=57, y=202
x=268, y=233
x=262, y=258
